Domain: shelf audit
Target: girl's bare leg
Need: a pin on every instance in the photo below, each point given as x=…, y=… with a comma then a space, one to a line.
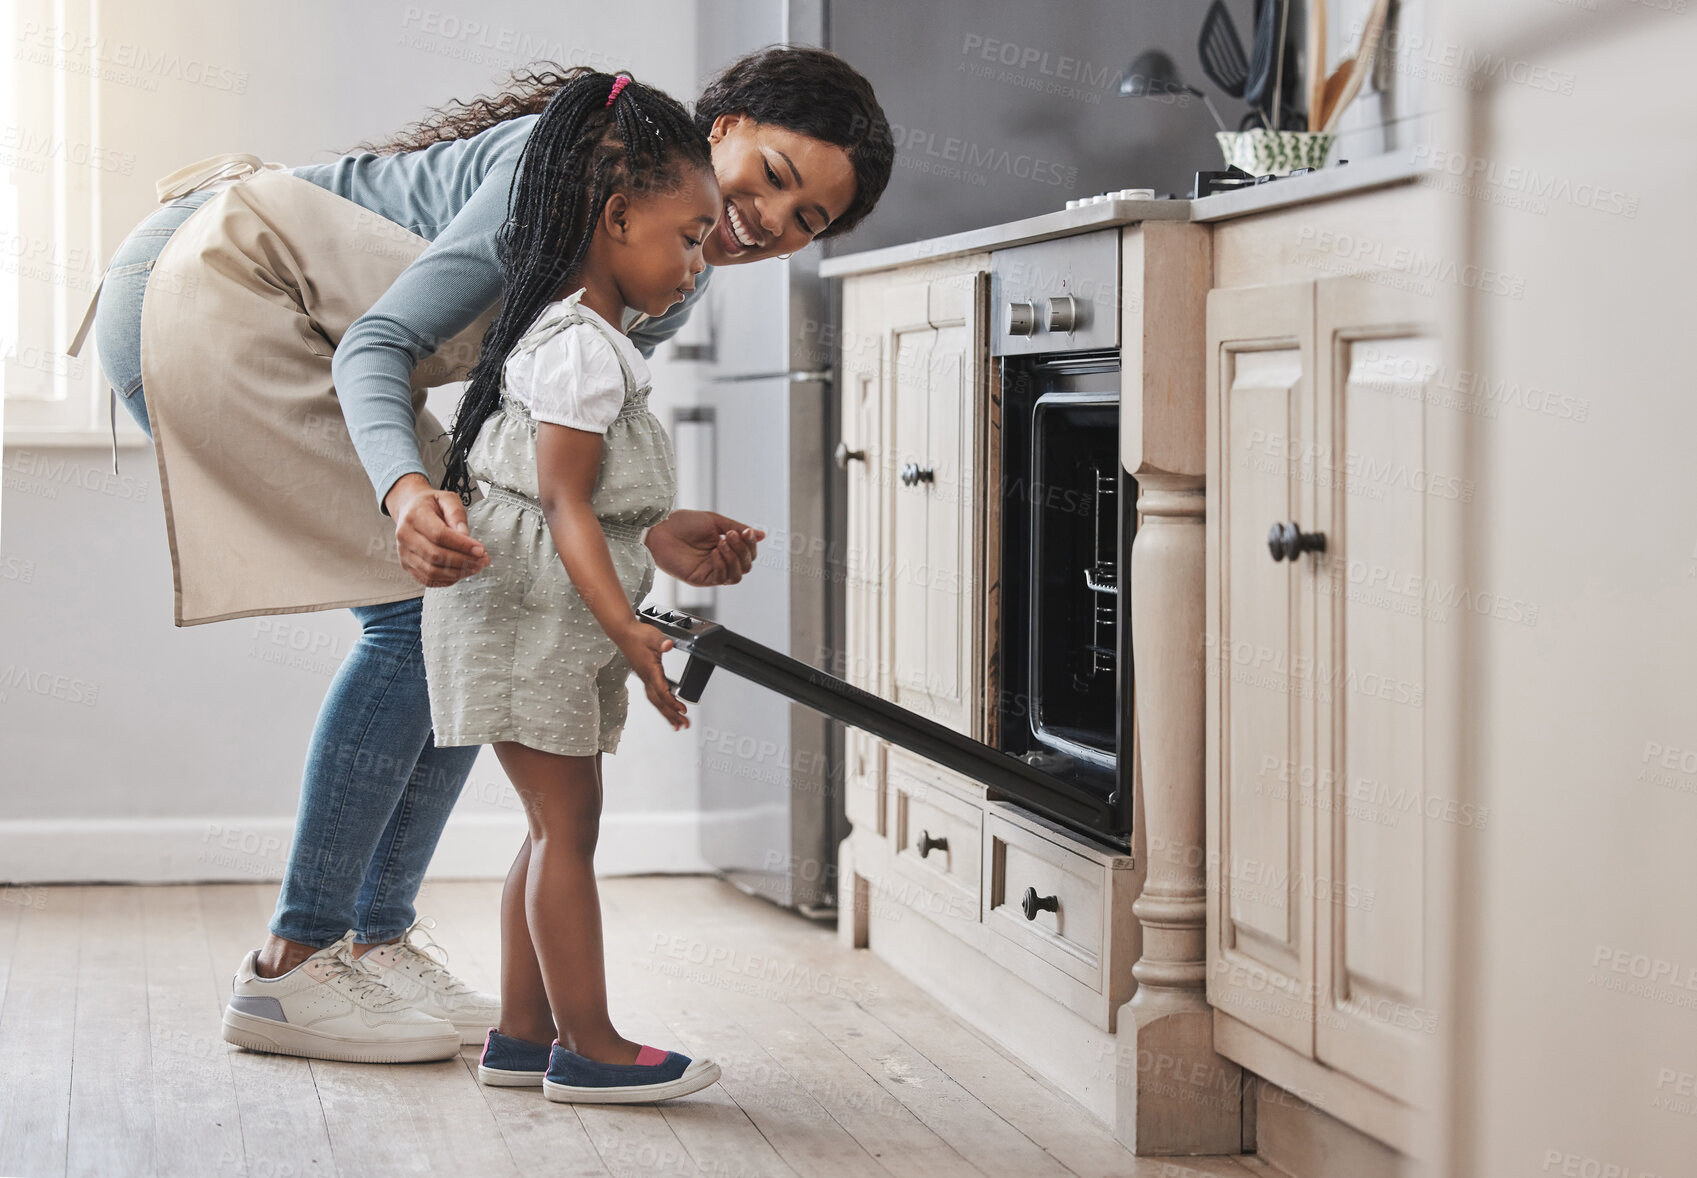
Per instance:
x=525, y=1013
x=562, y=800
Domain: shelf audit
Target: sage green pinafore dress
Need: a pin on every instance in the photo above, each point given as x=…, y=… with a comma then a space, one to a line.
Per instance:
x=513, y=653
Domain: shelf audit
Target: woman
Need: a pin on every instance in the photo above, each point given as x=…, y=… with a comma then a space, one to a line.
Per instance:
x=264, y=331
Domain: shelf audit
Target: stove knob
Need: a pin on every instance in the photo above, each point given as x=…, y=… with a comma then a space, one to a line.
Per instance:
x=1021, y=319
x=1063, y=314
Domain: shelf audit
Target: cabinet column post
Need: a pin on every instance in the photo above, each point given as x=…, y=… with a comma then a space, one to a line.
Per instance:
x=1176, y=1095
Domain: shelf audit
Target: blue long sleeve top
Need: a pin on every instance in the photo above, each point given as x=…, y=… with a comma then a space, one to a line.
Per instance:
x=455, y=195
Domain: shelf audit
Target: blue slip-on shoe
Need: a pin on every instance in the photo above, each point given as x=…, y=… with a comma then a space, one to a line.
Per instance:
x=656, y=1075
x=512, y=1063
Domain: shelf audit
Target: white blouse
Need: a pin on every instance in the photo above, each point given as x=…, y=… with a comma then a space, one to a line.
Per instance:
x=572, y=378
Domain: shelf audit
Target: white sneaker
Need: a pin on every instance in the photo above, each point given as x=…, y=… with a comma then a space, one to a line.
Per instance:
x=329, y=1008
x=409, y=969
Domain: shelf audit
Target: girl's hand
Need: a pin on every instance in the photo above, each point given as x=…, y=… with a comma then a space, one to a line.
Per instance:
x=642, y=645
x=430, y=530
x=704, y=548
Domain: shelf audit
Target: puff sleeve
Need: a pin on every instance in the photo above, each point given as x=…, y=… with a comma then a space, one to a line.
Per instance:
x=572, y=378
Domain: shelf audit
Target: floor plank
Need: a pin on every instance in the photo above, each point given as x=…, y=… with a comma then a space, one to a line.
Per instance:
x=13, y=901
x=282, y=1123
x=37, y=1028
x=111, y=1116
x=979, y=1134
x=799, y=1129
x=197, y=1128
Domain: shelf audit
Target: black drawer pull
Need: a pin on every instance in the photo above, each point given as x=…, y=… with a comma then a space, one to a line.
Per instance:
x=927, y=844
x=913, y=474
x=1033, y=904
x=1289, y=542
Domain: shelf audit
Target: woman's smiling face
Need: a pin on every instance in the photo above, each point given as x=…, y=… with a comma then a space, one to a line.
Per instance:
x=780, y=189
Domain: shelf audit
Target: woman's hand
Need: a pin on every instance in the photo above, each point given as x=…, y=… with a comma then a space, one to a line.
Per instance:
x=703, y=548
x=430, y=529
x=642, y=645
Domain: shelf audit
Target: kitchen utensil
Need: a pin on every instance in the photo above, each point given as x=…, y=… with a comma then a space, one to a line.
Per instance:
x=1333, y=87
x=1259, y=86
x=1360, y=66
x=1222, y=51
x=1316, y=60
x=1278, y=123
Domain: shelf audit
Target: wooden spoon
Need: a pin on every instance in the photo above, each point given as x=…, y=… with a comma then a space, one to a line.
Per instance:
x=1359, y=66
x=1316, y=61
x=1332, y=88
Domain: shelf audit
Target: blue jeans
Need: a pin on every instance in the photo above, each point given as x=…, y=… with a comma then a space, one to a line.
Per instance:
x=376, y=791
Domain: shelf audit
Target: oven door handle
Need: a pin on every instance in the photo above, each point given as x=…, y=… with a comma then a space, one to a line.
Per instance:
x=709, y=644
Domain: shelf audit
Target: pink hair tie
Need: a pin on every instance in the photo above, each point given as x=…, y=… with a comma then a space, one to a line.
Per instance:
x=619, y=83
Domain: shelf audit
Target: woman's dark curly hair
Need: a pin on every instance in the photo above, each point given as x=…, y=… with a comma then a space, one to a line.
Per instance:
x=814, y=93
x=809, y=91
x=587, y=145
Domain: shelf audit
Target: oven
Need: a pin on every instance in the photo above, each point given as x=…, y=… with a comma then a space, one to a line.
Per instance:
x=1067, y=516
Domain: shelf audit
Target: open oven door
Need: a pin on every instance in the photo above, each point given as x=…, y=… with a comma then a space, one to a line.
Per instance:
x=709, y=644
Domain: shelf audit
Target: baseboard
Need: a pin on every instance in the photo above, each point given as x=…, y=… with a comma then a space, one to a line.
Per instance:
x=242, y=850
x=1298, y=1139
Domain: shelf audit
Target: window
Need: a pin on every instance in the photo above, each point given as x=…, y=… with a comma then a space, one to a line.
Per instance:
x=51, y=255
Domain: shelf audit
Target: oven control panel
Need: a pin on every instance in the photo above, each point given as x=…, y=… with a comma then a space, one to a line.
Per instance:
x=1061, y=295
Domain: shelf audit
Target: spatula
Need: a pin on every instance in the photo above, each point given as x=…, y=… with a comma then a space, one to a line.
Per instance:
x=1222, y=51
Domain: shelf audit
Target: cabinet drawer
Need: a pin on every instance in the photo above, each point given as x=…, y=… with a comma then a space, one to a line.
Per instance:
x=938, y=841
x=1069, y=929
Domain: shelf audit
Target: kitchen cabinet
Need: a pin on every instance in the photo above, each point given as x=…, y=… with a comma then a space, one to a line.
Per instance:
x=1321, y=647
x=914, y=370
x=1271, y=919
x=930, y=632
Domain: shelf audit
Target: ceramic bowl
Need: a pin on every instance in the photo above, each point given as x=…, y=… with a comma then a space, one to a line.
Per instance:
x=1277, y=152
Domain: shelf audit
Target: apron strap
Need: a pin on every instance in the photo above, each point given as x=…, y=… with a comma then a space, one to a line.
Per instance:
x=214, y=169
x=81, y=336
x=193, y=177
x=232, y=165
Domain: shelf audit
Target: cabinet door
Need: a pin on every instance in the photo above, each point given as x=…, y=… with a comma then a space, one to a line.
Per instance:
x=936, y=345
x=867, y=478
x=1391, y=491
x=1260, y=684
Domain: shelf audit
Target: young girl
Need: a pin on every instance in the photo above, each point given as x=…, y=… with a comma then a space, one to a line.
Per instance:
x=614, y=196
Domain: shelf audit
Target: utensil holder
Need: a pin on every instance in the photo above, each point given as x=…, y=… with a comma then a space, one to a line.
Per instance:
x=1278, y=153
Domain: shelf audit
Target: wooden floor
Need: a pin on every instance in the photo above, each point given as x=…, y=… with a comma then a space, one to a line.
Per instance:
x=111, y=1064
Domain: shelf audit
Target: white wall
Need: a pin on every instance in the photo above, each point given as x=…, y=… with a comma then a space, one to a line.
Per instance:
x=133, y=750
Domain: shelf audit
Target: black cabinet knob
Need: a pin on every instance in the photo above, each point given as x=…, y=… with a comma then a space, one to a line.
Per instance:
x=1033, y=904
x=1286, y=541
x=914, y=474
x=844, y=455
x=927, y=844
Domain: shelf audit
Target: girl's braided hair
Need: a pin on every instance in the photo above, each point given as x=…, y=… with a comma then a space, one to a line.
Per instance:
x=812, y=92
x=581, y=151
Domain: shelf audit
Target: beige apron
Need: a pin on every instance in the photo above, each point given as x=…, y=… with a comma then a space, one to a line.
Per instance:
x=267, y=507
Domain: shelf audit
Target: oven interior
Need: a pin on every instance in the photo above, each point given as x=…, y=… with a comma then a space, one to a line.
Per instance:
x=1065, y=662
x=1074, y=574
